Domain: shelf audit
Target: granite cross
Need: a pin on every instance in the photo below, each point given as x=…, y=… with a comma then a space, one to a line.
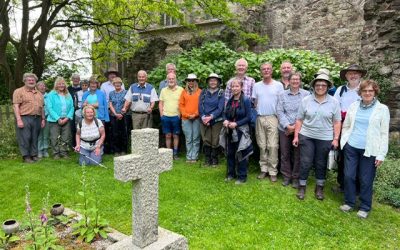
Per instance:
x=143, y=167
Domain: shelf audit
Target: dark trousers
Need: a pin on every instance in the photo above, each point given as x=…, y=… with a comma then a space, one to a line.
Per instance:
x=210, y=134
x=290, y=156
x=119, y=140
x=27, y=136
x=242, y=166
x=72, y=124
x=313, y=152
x=358, y=165
x=107, y=141
x=60, y=138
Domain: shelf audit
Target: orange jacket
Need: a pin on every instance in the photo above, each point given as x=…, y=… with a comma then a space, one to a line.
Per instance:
x=189, y=104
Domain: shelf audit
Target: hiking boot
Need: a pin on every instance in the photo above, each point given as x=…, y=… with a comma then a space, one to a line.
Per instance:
x=295, y=183
x=345, y=208
x=56, y=157
x=273, y=178
x=207, y=154
x=35, y=158
x=45, y=154
x=362, y=214
x=27, y=159
x=301, y=193
x=175, y=157
x=319, y=192
x=214, y=157
x=40, y=154
x=262, y=175
x=286, y=181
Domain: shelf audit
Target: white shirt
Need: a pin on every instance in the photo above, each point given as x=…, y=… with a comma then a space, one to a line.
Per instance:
x=266, y=96
x=347, y=98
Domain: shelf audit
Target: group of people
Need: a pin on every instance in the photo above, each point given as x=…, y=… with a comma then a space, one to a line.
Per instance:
x=295, y=129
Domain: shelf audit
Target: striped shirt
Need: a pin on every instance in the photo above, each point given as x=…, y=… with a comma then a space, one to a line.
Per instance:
x=288, y=105
x=30, y=101
x=248, y=84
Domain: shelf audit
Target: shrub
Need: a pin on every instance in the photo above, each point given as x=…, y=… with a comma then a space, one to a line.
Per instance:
x=387, y=183
x=218, y=58
x=8, y=139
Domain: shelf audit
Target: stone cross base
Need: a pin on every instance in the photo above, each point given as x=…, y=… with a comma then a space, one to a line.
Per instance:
x=166, y=240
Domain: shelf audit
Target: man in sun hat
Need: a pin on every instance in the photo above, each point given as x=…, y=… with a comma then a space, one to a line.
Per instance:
x=346, y=95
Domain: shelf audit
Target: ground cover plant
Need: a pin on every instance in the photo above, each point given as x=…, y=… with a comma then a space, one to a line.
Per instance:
x=212, y=214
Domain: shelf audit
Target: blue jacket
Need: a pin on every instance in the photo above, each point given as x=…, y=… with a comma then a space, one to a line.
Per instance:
x=53, y=106
x=242, y=115
x=102, y=110
x=212, y=104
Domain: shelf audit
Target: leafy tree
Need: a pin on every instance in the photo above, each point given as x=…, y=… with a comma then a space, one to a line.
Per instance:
x=115, y=23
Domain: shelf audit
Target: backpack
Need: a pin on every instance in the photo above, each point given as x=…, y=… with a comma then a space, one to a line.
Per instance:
x=343, y=90
x=204, y=93
x=95, y=121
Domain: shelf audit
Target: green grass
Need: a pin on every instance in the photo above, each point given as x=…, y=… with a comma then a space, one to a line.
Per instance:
x=212, y=214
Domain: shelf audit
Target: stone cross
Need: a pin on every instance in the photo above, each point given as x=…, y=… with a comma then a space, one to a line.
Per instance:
x=143, y=168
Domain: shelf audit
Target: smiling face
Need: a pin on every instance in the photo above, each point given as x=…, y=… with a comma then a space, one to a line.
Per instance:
x=30, y=82
x=85, y=86
x=266, y=71
x=93, y=85
x=89, y=114
x=241, y=67
x=171, y=78
x=353, y=77
x=117, y=86
x=295, y=82
x=320, y=88
x=142, y=77
x=213, y=83
x=367, y=94
x=286, y=69
x=60, y=86
x=75, y=80
x=191, y=83
x=111, y=76
x=236, y=88
x=41, y=87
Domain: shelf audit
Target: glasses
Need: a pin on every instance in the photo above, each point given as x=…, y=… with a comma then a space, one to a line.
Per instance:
x=191, y=80
x=320, y=86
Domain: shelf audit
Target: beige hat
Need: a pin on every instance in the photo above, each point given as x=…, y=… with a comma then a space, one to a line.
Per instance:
x=111, y=70
x=213, y=75
x=191, y=77
x=322, y=71
x=324, y=77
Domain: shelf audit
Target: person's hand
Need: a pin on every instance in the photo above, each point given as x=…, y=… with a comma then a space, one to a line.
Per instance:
x=295, y=142
x=232, y=125
x=20, y=123
x=77, y=148
x=289, y=130
x=149, y=110
x=191, y=117
x=97, y=151
x=335, y=144
x=378, y=163
x=85, y=103
x=119, y=116
x=206, y=120
x=60, y=122
x=225, y=123
x=43, y=124
x=123, y=111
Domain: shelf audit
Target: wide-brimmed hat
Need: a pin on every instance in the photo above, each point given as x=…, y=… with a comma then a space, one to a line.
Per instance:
x=324, y=77
x=353, y=67
x=111, y=70
x=191, y=77
x=213, y=75
x=322, y=71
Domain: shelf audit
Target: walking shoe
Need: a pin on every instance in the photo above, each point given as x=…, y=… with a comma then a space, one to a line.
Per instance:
x=295, y=183
x=240, y=182
x=362, y=214
x=319, y=192
x=35, y=158
x=229, y=178
x=27, y=159
x=286, y=181
x=175, y=157
x=273, y=178
x=262, y=175
x=56, y=157
x=65, y=156
x=45, y=154
x=40, y=154
x=301, y=193
x=345, y=208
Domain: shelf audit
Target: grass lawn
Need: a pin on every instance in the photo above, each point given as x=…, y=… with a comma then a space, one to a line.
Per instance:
x=212, y=214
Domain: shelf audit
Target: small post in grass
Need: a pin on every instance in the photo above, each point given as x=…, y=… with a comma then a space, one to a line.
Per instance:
x=143, y=168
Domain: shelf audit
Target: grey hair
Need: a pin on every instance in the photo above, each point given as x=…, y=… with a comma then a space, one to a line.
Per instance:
x=266, y=63
x=241, y=59
x=169, y=64
x=142, y=71
x=29, y=75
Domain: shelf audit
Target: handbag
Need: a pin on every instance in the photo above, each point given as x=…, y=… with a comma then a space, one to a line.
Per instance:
x=333, y=159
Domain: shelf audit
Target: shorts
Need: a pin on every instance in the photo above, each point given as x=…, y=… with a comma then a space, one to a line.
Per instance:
x=171, y=124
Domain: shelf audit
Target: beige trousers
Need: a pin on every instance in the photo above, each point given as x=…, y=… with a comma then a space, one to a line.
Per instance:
x=267, y=136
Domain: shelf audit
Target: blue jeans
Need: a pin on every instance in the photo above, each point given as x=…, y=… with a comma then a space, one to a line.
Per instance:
x=191, y=129
x=88, y=157
x=358, y=165
x=43, y=140
x=242, y=166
